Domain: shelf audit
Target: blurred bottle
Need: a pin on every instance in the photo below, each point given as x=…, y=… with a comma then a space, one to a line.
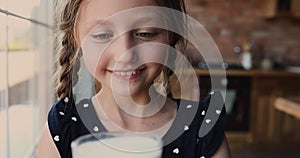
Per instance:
x=266, y=63
x=246, y=59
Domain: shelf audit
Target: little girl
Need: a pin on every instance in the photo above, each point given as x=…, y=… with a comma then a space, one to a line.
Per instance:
x=127, y=56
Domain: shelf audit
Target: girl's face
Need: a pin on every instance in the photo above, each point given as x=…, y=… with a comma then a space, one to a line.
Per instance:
x=119, y=47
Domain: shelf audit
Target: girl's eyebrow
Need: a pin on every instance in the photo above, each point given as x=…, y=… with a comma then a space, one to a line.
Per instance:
x=147, y=20
x=92, y=24
x=135, y=23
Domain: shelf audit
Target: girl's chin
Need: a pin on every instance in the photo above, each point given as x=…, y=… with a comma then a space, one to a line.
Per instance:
x=125, y=94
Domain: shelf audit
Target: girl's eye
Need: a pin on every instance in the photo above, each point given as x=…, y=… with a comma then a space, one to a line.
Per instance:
x=103, y=36
x=145, y=35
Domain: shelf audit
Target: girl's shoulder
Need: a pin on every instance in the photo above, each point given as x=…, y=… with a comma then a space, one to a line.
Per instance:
x=65, y=125
x=198, y=128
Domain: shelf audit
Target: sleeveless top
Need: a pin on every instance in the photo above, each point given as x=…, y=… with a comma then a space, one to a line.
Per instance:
x=196, y=132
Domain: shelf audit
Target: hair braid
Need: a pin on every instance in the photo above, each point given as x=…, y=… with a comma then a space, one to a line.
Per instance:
x=65, y=18
x=65, y=70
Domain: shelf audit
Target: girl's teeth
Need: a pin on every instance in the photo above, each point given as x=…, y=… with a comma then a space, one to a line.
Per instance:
x=129, y=73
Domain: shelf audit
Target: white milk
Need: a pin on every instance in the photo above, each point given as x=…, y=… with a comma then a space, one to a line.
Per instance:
x=119, y=147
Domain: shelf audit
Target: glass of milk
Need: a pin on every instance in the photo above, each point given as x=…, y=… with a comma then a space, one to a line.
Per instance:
x=117, y=145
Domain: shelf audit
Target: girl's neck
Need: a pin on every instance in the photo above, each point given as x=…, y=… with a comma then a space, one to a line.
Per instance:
x=134, y=117
x=145, y=104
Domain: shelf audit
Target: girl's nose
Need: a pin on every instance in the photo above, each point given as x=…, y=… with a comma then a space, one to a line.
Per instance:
x=122, y=49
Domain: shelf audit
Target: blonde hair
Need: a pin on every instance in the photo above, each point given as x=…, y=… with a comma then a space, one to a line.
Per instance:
x=65, y=18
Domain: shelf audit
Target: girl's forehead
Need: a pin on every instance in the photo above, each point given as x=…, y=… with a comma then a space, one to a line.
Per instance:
x=94, y=12
x=106, y=8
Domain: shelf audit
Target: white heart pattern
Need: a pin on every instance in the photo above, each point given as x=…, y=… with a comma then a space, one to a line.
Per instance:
x=176, y=151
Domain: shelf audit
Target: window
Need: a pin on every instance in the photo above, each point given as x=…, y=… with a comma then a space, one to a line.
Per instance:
x=25, y=68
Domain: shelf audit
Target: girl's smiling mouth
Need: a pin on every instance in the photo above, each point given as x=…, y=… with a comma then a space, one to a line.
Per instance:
x=127, y=74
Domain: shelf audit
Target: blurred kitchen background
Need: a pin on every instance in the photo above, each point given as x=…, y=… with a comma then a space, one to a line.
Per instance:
x=258, y=39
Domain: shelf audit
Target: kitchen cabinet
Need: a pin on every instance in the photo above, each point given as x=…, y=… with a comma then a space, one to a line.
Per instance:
x=268, y=124
x=253, y=111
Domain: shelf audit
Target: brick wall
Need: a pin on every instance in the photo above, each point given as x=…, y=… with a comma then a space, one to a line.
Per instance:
x=234, y=22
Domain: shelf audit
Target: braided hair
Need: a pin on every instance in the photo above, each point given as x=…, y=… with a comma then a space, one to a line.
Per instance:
x=65, y=19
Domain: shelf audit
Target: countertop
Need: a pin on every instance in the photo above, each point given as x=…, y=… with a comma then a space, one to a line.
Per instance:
x=250, y=73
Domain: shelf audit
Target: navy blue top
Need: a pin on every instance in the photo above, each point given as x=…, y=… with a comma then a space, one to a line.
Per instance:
x=197, y=130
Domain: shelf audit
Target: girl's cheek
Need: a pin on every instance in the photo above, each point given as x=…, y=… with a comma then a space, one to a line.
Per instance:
x=94, y=56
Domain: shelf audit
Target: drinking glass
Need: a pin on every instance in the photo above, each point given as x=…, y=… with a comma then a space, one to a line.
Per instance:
x=117, y=145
